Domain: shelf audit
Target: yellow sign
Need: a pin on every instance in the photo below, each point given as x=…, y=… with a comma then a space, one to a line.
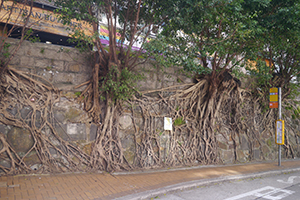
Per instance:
x=279, y=132
x=273, y=98
x=41, y=20
x=273, y=94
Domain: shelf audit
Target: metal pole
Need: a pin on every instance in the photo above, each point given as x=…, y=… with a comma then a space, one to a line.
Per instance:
x=279, y=113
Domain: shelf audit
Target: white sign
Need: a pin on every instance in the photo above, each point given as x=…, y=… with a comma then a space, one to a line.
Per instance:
x=168, y=123
x=279, y=132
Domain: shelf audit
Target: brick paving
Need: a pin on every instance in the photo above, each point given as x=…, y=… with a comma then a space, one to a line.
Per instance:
x=84, y=186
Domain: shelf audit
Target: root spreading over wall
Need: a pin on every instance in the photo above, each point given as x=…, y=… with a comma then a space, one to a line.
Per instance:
x=20, y=90
x=200, y=118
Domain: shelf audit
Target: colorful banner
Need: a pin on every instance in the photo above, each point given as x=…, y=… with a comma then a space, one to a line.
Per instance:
x=104, y=36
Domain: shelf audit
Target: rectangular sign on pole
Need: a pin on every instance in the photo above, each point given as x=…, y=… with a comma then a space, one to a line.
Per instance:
x=279, y=132
x=273, y=98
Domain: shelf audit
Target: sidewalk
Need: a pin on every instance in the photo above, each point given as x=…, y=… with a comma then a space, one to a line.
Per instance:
x=130, y=185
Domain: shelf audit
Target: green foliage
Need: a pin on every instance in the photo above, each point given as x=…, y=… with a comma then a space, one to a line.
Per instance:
x=261, y=72
x=48, y=68
x=296, y=113
x=77, y=94
x=5, y=50
x=119, y=86
x=278, y=41
x=179, y=121
x=204, y=36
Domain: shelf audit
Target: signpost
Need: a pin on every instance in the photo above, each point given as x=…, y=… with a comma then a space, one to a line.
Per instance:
x=275, y=102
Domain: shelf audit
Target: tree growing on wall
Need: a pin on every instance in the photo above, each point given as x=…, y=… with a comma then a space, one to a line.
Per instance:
x=214, y=39
x=128, y=24
x=208, y=38
x=277, y=41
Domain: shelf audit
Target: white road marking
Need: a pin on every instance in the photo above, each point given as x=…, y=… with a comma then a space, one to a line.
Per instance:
x=290, y=180
x=267, y=192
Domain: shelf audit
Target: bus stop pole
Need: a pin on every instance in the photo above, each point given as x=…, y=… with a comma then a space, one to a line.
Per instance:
x=279, y=113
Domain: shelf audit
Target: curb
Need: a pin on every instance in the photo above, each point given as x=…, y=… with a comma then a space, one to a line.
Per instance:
x=194, y=184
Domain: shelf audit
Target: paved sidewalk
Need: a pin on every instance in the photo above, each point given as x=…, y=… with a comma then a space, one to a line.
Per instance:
x=131, y=185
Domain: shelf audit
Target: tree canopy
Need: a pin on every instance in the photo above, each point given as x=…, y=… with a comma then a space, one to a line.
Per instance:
x=207, y=36
x=278, y=41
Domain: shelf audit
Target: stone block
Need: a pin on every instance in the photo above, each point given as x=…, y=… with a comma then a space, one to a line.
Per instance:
x=59, y=115
x=43, y=63
x=129, y=155
x=58, y=65
x=170, y=78
x=125, y=122
x=168, y=83
x=5, y=163
x=222, y=145
x=52, y=54
x=15, y=61
x=228, y=156
x=13, y=111
x=32, y=159
x=3, y=129
x=127, y=141
x=76, y=131
x=87, y=68
x=188, y=80
x=27, y=61
x=244, y=143
x=15, y=135
x=66, y=87
x=221, y=138
x=21, y=51
x=74, y=114
x=93, y=132
x=81, y=78
x=38, y=120
x=148, y=83
x=66, y=78
x=87, y=148
x=149, y=67
x=25, y=112
x=256, y=153
x=241, y=157
x=73, y=67
x=61, y=130
x=48, y=75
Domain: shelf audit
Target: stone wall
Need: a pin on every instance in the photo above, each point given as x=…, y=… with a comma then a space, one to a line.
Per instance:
x=65, y=68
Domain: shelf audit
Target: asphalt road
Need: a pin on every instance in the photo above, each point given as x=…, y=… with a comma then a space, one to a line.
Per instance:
x=273, y=187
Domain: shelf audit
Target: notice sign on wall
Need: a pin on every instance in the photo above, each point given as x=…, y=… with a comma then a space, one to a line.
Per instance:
x=168, y=123
x=273, y=98
x=279, y=132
